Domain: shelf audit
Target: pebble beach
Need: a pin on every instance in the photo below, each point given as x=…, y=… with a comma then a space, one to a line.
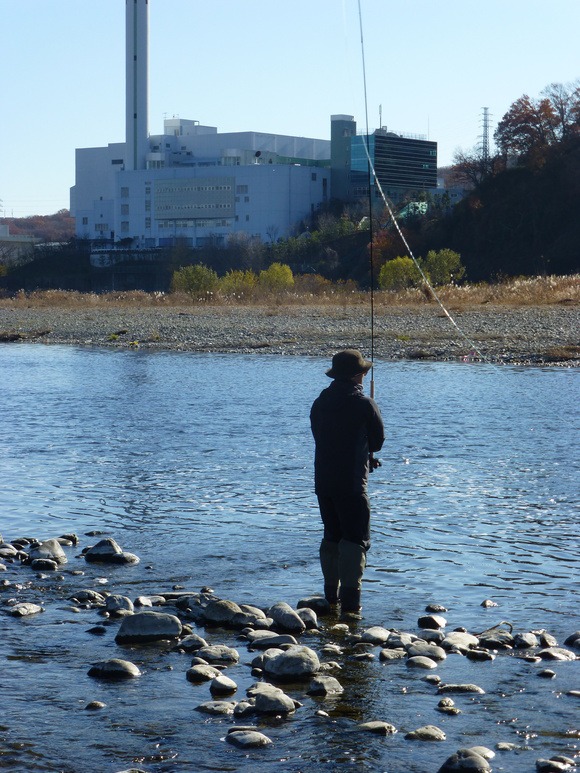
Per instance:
x=527, y=335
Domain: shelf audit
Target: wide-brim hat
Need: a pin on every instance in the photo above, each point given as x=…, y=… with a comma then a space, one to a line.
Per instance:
x=348, y=363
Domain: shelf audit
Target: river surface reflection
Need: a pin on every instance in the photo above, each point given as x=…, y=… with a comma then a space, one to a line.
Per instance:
x=202, y=466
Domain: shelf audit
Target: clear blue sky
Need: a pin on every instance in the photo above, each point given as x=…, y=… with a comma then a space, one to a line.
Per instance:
x=281, y=66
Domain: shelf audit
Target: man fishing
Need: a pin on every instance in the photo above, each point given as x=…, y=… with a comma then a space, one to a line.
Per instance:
x=347, y=428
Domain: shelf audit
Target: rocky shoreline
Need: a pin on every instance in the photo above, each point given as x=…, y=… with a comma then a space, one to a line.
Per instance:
x=527, y=335
x=299, y=660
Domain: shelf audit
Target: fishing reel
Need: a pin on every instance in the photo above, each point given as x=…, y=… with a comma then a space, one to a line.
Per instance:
x=374, y=463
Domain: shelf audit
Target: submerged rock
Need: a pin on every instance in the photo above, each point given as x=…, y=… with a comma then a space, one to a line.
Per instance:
x=426, y=733
x=378, y=727
x=271, y=700
x=219, y=653
x=465, y=759
x=216, y=707
x=108, y=551
x=325, y=685
x=557, y=653
x=247, y=739
x=115, y=668
x=24, y=609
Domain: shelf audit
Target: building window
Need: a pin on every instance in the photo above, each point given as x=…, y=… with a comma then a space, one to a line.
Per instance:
x=147, y=206
x=147, y=222
x=124, y=226
x=147, y=190
x=313, y=177
x=247, y=218
x=124, y=193
x=100, y=227
x=246, y=199
x=124, y=209
x=241, y=188
x=85, y=220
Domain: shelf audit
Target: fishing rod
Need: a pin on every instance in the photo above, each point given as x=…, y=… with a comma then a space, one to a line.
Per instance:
x=375, y=179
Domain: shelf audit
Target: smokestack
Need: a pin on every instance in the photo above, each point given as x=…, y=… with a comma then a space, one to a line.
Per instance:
x=137, y=32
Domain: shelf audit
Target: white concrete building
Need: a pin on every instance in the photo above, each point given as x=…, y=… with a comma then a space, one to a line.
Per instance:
x=191, y=182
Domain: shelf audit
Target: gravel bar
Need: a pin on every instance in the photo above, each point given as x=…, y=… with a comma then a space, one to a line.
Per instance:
x=530, y=335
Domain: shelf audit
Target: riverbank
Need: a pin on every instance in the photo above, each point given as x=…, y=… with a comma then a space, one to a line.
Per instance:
x=531, y=335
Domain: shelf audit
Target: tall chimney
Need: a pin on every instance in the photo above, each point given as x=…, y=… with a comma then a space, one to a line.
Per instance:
x=136, y=134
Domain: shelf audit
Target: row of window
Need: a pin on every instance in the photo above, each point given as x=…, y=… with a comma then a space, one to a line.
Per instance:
x=192, y=188
x=216, y=205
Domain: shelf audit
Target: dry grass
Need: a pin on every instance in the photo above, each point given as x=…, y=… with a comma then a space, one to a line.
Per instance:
x=537, y=291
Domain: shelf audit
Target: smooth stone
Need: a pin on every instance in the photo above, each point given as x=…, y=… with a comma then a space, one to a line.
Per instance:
x=551, y=766
x=376, y=635
x=115, y=668
x=97, y=630
x=253, y=636
x=426, y=733
x=219, y=653
x=317, y=603
x=146, y=627
x=489, y=604
x=557, y=653
x=296, y=662
x=397, y=640
x=24, y=609
x=547, y=640
x=149, y=601
x=273, y=640
x=547, y=673
x=332, y=649
x=8, y=551
x=431, y=679
x=460, y=688
x=272, y=700
x=465, y=759
x=483, y=751
x=420, y=661
x=286, y=618
x=435, y=608
x=50, y=549
x=308, y=617
x=191, y=643
x=380, y=728
x=103, y=550
x=44, y=565
x=92, y=597
x=339, y=628
x=115, y=602
x=389, y=655
x=244, y=709
x=201, y=673
x=95, y=706
x=432, y=621
x=573, y=640
x=325, y=685
x=217, y=708
x=222, y=685
x=459, y=640
x=222, y=611
x=497, y=640
x=363, y=656
x=479, y=655
x=247, y=739
x=426, y=650
x=255, y=611
x=525, y=640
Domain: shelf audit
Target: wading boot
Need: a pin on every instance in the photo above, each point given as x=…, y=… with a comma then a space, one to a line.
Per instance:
x=329, y=566
x=351, y=564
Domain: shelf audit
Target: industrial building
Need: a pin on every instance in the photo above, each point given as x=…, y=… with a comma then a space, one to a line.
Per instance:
x=191, y=183
x=197, y=186
x=405, y=165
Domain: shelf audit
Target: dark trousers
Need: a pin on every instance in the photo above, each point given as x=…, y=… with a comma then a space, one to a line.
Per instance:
x=346, y=517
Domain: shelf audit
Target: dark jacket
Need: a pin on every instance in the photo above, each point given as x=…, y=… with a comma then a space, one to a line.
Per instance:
x=346, y=426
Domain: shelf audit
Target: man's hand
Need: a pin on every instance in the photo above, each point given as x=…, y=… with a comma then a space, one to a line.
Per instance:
x=373, y=463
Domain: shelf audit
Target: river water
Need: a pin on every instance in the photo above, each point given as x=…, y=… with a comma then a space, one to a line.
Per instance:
x=202, y=465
